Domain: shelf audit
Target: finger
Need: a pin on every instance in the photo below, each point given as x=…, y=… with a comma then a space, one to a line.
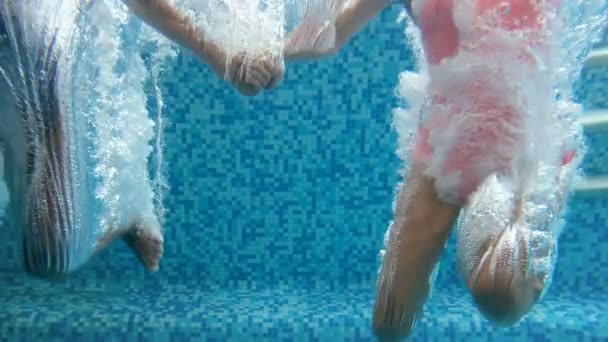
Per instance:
x=403, y=316
x=379, y=309
x=326, y=37
x=277, y=78
x=235, y=69
x=266, y=72
x=278, y=73
x=259, y=71
x=242, y=72
x=390, y=308
x=254, y=80
x=259, y=75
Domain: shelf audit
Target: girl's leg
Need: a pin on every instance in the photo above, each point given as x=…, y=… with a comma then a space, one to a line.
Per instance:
x=416, y=240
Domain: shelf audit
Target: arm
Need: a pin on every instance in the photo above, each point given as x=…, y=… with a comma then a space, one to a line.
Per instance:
x=349, y=22
x=249, y=74
x=176, y=26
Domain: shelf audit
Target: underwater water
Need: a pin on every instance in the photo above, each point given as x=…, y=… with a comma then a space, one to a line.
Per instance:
x=277, y=209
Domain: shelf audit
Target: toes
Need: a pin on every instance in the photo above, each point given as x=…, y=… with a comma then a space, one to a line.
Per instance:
x=153, y=265
x=392, y=319
x=501, y=289
x=148, y=245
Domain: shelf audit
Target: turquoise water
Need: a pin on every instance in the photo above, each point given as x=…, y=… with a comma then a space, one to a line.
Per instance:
x=275, y=216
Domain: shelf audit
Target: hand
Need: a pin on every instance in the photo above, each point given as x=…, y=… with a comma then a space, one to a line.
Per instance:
x=311, y=38
x=250, y=74
x=317, y=34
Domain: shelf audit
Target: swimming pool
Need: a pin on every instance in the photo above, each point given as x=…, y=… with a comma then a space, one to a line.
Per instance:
x=276, y=213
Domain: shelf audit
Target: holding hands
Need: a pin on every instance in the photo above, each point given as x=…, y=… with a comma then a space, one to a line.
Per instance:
x=320, y=33
x=250, y=74
x=314, y=37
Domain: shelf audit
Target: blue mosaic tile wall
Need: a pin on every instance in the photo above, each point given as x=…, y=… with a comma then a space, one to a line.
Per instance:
x=294, y=186
x=277, y=211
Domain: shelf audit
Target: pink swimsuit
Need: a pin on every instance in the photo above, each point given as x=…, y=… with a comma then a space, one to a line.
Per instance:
x=490, y=140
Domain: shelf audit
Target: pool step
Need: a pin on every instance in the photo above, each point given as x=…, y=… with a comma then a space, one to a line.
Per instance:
x=595, y=120
x=592, y=92
x=598, y=56
x=592, y=184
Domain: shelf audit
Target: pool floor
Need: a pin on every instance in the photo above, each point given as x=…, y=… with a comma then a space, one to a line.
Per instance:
x=111, y=312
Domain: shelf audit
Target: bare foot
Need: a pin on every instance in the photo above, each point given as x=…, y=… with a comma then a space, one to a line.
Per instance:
x=146, y=243
x=513, y=264
x=417, y=238
x=501, y=285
